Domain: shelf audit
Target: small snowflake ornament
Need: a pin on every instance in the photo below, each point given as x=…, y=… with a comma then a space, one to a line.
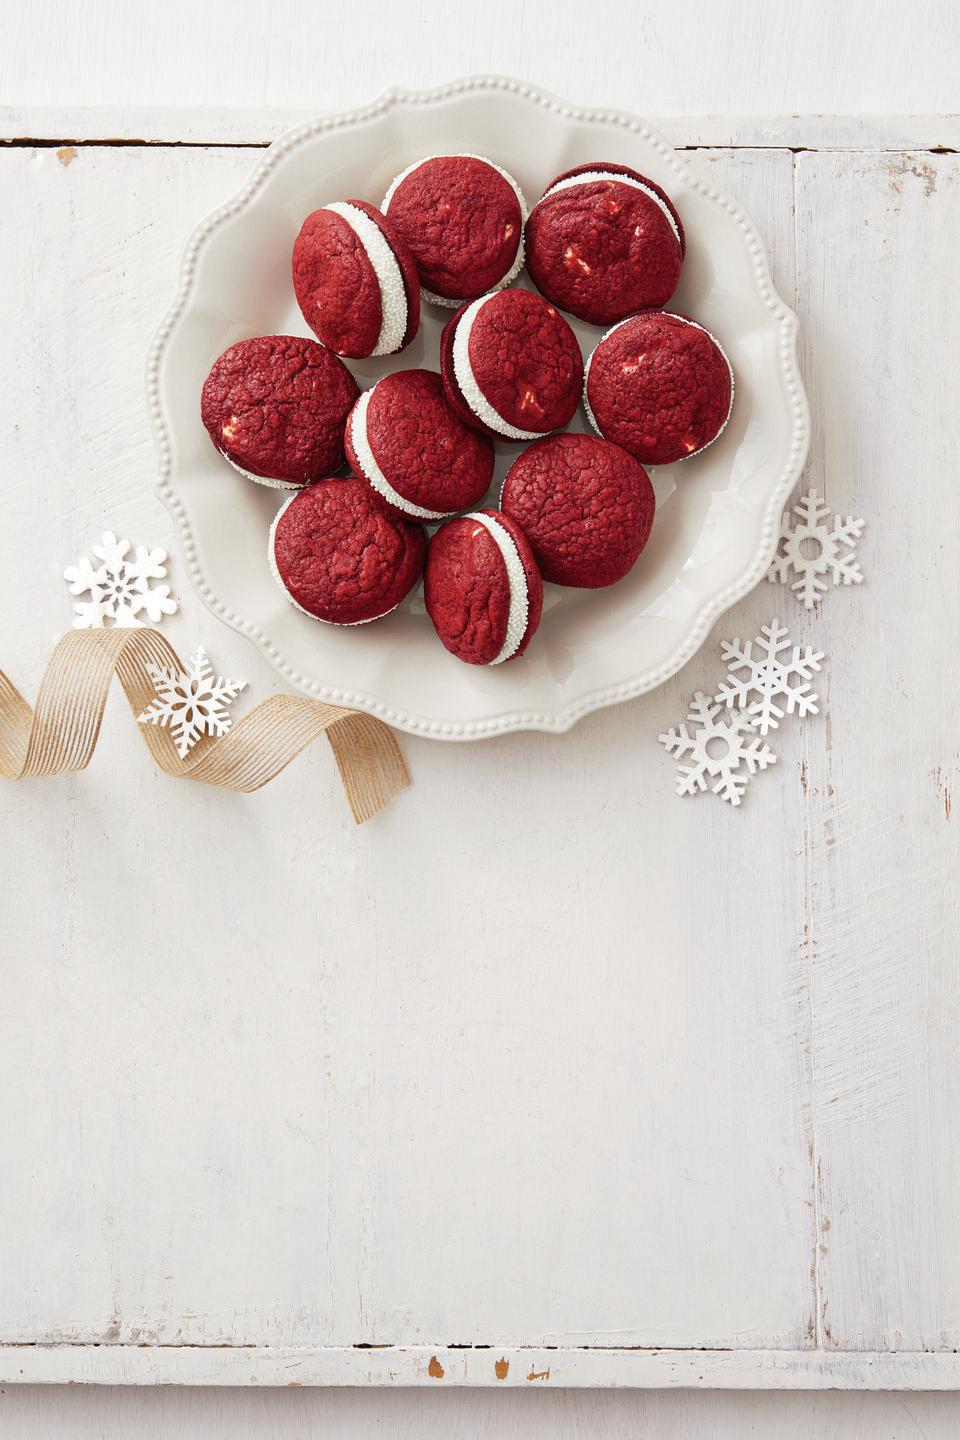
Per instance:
x=191, y=702
x=718, y=749
x=832, y=554
x=779, y=671
x=117, y=586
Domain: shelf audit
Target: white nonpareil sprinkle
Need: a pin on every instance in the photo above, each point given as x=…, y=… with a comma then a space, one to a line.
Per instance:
x=519, y=611
x=467, y=381
x=371, y=470
x=393, y=295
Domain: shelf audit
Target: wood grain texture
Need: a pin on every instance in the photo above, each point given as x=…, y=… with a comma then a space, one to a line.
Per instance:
x=240, y=125
x=879, y=325
x=283, y=1124
x=147, y=1074
x=86, y=1413
x=859, y=58
x=372, y=1093
x=453, y=1367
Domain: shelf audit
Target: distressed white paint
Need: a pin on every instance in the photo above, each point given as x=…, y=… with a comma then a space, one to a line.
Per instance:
x=719, y=58
x=257, y=128
x=248, y=1084
x=881, y=314
x=403, y=1104
x=86, y=1413
x=504, y=1367
x=436, y=1123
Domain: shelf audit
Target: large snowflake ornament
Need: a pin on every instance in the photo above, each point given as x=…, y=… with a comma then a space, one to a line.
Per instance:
x=718, y=749
x=831, y=554
x=779, y=671
x=191, y=702
x=117, y=586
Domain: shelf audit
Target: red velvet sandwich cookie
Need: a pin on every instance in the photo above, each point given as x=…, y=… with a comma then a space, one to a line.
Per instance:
x=463, y=218
x=420, y=459
x=604, y=241
x=340, y=557
x=659, y=385
x=356, y=280
x=585, y=506
x=275, y=407
x=511, y=365
x=482, y=588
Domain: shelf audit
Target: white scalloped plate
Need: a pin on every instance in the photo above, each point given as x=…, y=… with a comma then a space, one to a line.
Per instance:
x=717, y=515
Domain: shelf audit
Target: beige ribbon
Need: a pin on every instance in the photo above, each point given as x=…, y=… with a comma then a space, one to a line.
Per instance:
x=61, y=733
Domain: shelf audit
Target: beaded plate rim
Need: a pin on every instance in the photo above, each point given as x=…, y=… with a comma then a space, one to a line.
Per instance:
x=562, y=719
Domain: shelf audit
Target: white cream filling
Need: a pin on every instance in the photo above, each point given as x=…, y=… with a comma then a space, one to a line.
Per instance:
x=686, y=321
x=586, y=377
x=272, y=562
x=590, y=176
x=519, y=611
x=467, y=381
x=262, y=479
x=517, y=265
x=393, y=295
x=373, y=473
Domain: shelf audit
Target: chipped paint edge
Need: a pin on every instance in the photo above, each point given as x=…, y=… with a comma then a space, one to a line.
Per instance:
x=477, y=1366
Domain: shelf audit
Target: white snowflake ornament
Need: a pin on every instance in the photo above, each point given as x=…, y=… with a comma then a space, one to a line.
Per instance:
x=718, y=750
x=771, y=675
x=191, y=702
x=117, y=587
x=832, y=554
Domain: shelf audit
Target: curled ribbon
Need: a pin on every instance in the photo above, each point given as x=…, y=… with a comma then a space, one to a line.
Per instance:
x=61, y=733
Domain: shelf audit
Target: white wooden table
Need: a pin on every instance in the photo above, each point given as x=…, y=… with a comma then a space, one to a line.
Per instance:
x=544, y=1077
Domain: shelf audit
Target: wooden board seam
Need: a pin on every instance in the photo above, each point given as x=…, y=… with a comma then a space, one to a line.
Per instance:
x=41, y=142
x=486, y=1367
